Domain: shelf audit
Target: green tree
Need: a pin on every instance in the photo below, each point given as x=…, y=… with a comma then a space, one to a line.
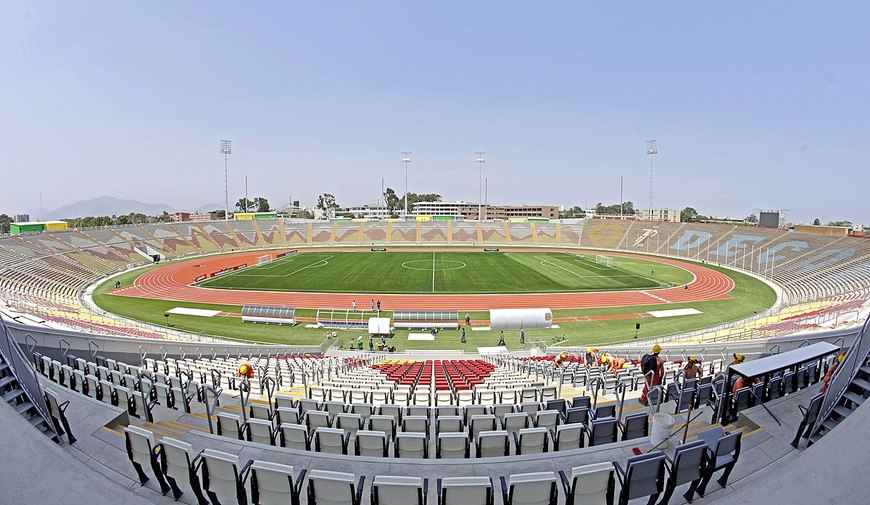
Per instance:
x=817, y=222
x=4, y=223
x=414, y=198
x=688, y=215
x=751, y=218
x=627, y=209
x=244, y=205
x=261, y=204
x=326, y=203
x=391, y=200
x=840, y=223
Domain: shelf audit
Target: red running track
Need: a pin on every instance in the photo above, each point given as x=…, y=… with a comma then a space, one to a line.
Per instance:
x=173, y=282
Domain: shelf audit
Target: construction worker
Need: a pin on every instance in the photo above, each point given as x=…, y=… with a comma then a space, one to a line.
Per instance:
x=596, y=356
x=831, y=371
x=616, y=363
x=692, y=370
x=652, y=363
x=589, y=357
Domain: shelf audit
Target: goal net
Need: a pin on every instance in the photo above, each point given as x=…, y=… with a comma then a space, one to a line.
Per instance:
x=262, y=260
x=606, y=261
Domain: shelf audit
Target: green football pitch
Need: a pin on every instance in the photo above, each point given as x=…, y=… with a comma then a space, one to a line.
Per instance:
x=450, y=272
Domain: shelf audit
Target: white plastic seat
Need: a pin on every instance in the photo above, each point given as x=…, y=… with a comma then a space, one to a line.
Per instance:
x=532, y=440
x=371, y=443
x=492, y=444
x=141, y=451
x=443, y=398
x=411, y=445
x=229, y=425
x=479, y=423
x=364, y=410
x=349, y=422
x=294, y=436
x=285, y=401
x=164, y=395
x=537, y=488
x=416, y=410
x=260, y=431
x=273, y=484
x=222, y=476
x=92, y=386
x=465, y=398
x=515, y=421
x=398, y=490
x=334, y=488
x=568, y=436
x=452, y=446
x=390, y=409
x=589, y=484
x=465, y=491
x=176, y=464
x=287, y=415
x=547, y=419
x=499, y=410
x=260, y=411
x=448, y=424
x=416, y=424
x=330, y=440
x=384, y=423
x=315, y=419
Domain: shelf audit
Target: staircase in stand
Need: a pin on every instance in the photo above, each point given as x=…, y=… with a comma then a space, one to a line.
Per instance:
x=853, y=397
x=17, y=398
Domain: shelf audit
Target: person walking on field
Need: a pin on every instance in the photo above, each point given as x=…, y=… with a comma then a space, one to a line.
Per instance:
x=353, y=305
x=462, y=337
x=501, y=338
x=467, y=319
x=373, y=304
x=523, y=336
x=652, y=363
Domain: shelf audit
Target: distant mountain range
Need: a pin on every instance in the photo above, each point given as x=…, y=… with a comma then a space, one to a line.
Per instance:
x=110, y=206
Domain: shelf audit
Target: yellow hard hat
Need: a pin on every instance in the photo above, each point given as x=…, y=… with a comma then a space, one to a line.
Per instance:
x=692, y=358
x=841, y=357
x=739, y=357
x=657, y=348
x=595, y=349
x=588, y=350
x=626, y=365
x=604, y=359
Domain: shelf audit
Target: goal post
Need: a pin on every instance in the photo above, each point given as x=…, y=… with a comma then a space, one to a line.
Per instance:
x=262, y=260
x=606, y=261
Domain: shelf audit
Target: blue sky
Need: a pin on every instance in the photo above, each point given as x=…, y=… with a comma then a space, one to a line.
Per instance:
x=754, y=104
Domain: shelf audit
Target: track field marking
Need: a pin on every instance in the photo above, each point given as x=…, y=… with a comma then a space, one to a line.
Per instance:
x=433, y=271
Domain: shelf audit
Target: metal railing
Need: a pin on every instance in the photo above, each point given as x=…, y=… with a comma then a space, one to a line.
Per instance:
x=845, y=373
x=19, y=366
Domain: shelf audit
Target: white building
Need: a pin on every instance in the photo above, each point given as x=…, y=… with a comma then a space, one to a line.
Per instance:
x=671, y=215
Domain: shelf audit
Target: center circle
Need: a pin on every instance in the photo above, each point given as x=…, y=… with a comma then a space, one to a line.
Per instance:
x=458, y=265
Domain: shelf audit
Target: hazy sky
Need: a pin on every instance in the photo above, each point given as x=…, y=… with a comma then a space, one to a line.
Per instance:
x=754, y=104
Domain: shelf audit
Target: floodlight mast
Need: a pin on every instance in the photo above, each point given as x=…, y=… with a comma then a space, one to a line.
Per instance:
x=651, y=150
x=226, y=150
x=406, y=158
x=480, y=159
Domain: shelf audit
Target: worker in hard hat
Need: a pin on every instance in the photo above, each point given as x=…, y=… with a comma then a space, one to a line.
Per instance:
x=596, y=356
x=653, y=368
x=615, y=363
x=246, y=371
x=590, y=358
x=738, y=358
x=827, y=380
x=692, y=370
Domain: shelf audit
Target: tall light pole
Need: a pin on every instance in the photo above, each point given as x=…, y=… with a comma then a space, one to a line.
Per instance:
x=480, y=159
x=226, y=150
x=406, y=158
x=651, y=150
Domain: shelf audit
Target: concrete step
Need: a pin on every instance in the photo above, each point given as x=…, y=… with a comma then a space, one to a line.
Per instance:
x=861, y=383
x=830, y=424
x=842, y=411
x=5, y=381
x=9, y=396
x=23, y=407
x=854, y=397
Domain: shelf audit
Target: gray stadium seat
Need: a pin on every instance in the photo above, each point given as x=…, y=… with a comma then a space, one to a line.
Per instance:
x=643, y=476
x=294, y=436
x=568, y=436
x=491, y=444
x=589, y=484
x=688, y=465
x=273, y=484
x=371, y=443
x=635, y=426
x=411, y=445
x=723, y=451
x=222, y=476
x=465, y=491
x=399, y=490
x=330, y=440
x=537, y=488
x=532, y=441
x=176, y=465
x=334, y=488
x=452, y=446
x=142, y=452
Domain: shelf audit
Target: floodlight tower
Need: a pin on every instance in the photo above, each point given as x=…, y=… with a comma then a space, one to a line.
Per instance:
x=406, y=158
x=480, y=159
x=226, y=150
x=651, y=150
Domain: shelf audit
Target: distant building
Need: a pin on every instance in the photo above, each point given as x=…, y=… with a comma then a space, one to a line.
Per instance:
x=176, y=217
x=670, y=215
x=22, y=218
x=202, y=216
x=471, y=210
x=366, y=212
x=834, y=231
x=37, y=227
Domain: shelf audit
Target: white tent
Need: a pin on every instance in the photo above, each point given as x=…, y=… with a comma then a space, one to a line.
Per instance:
x=508, y=319
x=379, y=326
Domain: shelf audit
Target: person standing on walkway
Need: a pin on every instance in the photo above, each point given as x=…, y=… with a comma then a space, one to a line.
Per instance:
x=523, y=336
x=652, y=363
x=501, y=338
x=462, y=337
